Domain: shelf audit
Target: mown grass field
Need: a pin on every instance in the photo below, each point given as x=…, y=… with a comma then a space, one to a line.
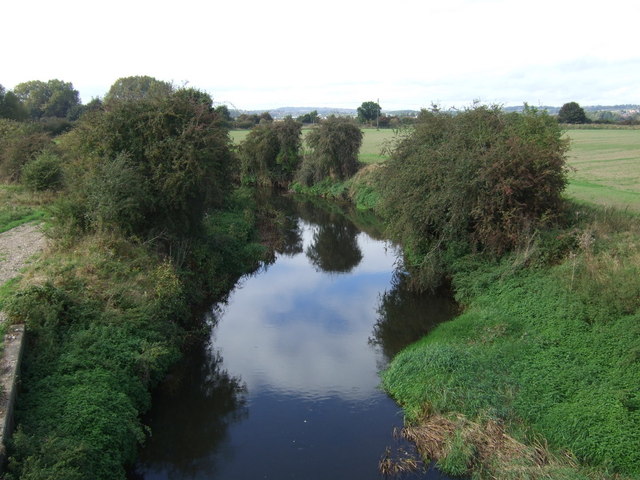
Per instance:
x=605, y=167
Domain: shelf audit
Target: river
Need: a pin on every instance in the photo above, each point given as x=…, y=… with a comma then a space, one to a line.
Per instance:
x=286, y=384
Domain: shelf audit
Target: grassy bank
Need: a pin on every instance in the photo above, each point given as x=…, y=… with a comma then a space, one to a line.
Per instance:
x=106, y=317
x=550, y=353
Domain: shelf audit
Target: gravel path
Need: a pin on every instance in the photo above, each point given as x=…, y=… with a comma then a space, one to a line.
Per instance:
x=16, y=247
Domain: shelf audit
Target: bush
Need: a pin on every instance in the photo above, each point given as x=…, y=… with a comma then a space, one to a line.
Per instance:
x=480, y=176
x=271, y=153
x=334, y=144
x=19, y=143
x=151, y=166
x=44, y=172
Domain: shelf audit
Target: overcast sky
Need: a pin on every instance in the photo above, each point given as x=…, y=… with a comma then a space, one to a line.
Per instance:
x=260, y=54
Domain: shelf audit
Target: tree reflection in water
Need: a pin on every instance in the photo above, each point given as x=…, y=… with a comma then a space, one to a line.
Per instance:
x=210, y=401
x=405, y=316
x=335, y=247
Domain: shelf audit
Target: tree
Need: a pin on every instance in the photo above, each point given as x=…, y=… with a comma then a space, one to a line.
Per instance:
x=137, y=88
x=368, y=112
x=311, y=117
x=53, y=98
x=334, y=147
x=572, y=112
x=10, y=106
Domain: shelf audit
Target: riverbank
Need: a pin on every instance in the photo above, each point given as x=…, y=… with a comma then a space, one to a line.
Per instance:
x=106, y=317
x=547, y=353
x=543, y=360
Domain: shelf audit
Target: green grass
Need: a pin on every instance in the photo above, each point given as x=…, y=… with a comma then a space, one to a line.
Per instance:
x=556, y=348
x=605, y=167
x=18, y=206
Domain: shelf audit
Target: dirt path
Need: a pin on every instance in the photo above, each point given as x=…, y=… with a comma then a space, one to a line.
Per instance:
x=16, y=247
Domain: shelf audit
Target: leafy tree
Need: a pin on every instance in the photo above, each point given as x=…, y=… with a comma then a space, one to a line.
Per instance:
x=53, y=98
x=368, y=111
x=137, y=88
x=10, y=106
x=480, y=179
x=334, y=146
x=271, y=153
x=572, y=112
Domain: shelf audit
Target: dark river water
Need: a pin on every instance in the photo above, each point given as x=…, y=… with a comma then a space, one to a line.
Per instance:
x=287, y=384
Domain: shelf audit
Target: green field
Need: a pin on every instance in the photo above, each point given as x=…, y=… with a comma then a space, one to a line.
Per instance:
x=605, y=167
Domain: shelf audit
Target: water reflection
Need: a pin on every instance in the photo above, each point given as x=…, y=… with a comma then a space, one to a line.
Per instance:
x=201, y=400
x=404, y=316
x=308, y=405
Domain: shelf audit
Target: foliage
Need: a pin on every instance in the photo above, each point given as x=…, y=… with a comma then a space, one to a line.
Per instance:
x=480, y=177
x=246, y=120
x=270, y=154
x=44, y=172
x=572, y=112
x=137, y=88
x=19, y=143
x=53, y=98
x=310, y=117
x=334, y=146
x=368, y=111
x=10, y=106
x=174, y=159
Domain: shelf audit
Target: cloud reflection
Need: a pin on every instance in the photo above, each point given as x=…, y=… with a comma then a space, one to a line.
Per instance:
x=307, y=330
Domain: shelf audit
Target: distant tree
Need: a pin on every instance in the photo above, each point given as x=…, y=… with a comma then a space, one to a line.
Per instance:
x=136, y=88
x=368, y=112
x=76, y=112
x=10, y=106
x=223, y=112
x=572, y=113
x=265, y=117
x=311, y=117
x=334, y=147
x=53, y=98
x=246, y=120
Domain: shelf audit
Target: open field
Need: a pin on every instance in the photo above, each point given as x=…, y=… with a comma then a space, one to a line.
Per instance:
x=606, y=167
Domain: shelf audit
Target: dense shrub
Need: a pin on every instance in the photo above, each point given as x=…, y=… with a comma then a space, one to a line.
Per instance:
x=480, y=177
x=44, y=172
x=334, y=145
x=151, y=167
x=270, y=154
x=19, y=143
